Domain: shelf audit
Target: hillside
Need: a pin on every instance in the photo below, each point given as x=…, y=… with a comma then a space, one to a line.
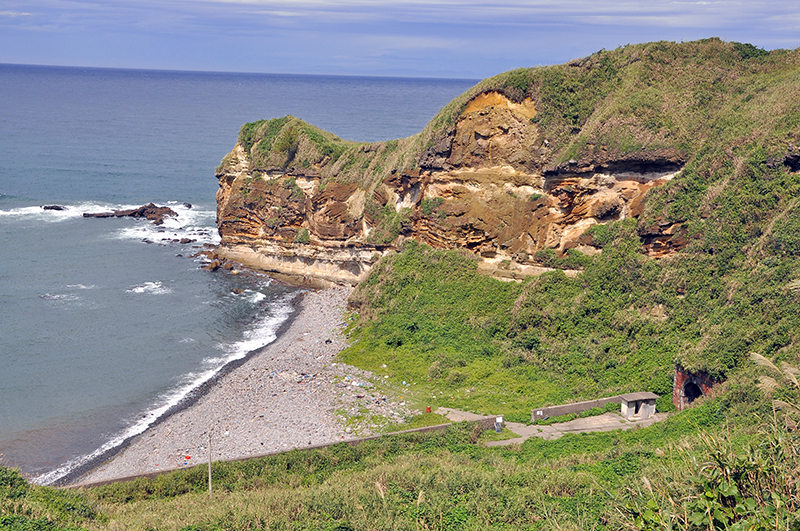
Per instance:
x=661, y=178
x=521, y=166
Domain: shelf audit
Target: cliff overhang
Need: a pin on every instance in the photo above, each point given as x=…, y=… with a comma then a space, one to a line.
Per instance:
x=290, y=203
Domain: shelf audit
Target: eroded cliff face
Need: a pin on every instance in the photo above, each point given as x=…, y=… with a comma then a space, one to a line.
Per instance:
x=491, y=185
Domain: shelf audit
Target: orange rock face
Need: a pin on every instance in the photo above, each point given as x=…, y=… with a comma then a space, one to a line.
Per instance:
x=489, y=187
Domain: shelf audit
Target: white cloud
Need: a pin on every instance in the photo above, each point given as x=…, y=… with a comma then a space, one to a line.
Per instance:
x=655, y=13
x=282, y=13
x=14, y=14
x=385, y=43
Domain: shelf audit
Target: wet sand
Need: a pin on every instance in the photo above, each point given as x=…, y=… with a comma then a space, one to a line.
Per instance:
x=285, y=396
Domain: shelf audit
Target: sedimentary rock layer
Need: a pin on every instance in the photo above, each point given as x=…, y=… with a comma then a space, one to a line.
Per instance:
x=490, y=185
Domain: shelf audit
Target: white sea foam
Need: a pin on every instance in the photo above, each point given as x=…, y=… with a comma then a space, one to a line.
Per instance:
x=59, y=297
x=154, y=288
x=255, y=296
x=52, y=216
x=191, y=224
x=69, y=299
x=261, y=334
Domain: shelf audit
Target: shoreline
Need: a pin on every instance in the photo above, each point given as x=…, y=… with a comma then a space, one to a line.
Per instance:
x=85, y=469
x=288, y=394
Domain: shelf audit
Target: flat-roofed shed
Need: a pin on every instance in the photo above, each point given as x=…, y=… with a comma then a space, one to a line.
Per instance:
x=640, y=405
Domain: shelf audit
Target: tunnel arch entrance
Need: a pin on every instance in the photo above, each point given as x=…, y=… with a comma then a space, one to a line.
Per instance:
x=691, y=392
x=689, y=386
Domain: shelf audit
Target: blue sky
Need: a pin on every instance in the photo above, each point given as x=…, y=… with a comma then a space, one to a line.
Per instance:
x=447, y=38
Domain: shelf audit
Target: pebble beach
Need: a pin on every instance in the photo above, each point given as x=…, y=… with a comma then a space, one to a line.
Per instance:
x=289, y=394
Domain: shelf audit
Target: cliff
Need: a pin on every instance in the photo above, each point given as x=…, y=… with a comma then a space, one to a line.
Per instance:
x=518, y=170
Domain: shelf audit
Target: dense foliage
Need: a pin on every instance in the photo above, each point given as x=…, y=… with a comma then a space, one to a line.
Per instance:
x=732, y=112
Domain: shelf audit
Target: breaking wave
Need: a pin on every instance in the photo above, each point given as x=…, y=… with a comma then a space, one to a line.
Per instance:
x=260, y=334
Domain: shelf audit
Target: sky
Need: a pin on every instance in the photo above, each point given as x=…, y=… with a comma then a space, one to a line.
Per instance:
x=411, y=38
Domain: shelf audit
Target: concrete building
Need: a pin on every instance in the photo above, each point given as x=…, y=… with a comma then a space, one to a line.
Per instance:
x=638, y=405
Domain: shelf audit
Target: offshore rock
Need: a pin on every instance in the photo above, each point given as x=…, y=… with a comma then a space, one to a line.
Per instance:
x=154, y=213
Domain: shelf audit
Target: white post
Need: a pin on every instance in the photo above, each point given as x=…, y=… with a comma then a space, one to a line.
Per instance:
x=209, y=465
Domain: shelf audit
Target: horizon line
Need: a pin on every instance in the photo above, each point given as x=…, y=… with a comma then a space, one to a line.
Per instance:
x=179, y=71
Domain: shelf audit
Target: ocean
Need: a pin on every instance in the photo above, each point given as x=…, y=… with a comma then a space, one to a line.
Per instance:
x=107, y=323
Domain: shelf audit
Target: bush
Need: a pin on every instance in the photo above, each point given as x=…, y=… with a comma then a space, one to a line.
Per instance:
x=302, y=236
x=430, y=205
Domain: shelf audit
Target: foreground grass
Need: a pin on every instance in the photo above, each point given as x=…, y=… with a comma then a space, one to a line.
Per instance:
x=447, y=481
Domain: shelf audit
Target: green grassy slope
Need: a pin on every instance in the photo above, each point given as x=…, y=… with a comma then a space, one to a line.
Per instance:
x=689, y=472
x=733, y=112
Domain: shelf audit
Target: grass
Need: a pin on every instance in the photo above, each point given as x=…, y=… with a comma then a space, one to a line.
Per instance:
x=438, y=481
x=491, y=435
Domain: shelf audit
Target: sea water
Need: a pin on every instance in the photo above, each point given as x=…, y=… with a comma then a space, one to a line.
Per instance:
x=106, y=323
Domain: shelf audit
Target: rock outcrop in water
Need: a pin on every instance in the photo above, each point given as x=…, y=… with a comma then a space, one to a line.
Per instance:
x=154, y=213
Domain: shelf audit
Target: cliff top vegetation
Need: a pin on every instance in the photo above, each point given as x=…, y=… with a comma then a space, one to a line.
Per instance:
x=731, y=113
x=656, y=102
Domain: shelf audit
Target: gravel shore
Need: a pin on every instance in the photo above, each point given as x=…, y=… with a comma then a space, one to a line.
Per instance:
x=290, y=394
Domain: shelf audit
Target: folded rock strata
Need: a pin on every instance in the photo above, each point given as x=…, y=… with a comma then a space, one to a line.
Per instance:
x=489, y=184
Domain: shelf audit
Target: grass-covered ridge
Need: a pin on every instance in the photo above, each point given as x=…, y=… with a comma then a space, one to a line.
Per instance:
x=657, y=101
x=732, y=112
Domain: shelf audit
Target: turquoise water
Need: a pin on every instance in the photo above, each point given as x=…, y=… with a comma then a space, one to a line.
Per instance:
x=105, y=323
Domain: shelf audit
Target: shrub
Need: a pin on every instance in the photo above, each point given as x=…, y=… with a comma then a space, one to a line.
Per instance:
x=430, y=205
x=456, y=377
x=302, y=236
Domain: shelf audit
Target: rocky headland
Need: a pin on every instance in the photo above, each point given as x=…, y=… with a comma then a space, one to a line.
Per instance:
x=300, y=203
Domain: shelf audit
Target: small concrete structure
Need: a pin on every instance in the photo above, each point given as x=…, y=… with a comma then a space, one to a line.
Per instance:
x=638, y=405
